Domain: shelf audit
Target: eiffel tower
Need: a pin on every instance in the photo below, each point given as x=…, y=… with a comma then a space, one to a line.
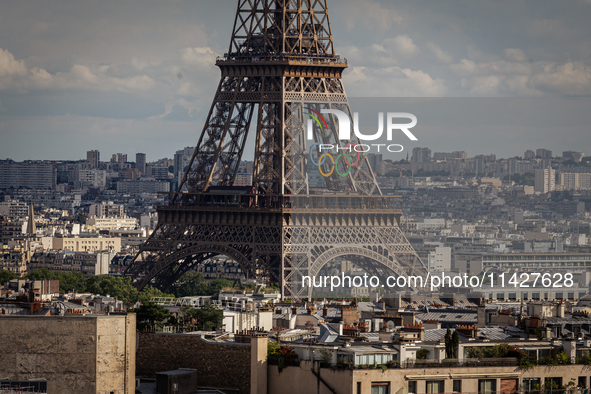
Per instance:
x=281, y=69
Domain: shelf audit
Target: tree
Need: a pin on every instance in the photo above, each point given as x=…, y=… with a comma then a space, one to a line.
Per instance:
x=475, y=352
x=41, y=273
x=216, y=285
x=5, y=276
x=193, y=284
x=455, y=341
x=282, y=356
x=422, y=354
x=207, y=318
x=150, y=313
x=118, y=287
x=448, y=346
x=71, y=281
x=528, y=179
x=149, y=292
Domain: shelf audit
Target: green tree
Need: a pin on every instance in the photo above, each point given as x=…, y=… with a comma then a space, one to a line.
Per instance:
x=150, y=313
x=475, y=352
x=5, y=276
x=207, y=318
x=528, y=179
x=455, y=341
x=422, y=354
x=448, y=345
x=193, y=284
x=149, y=292
x=41, y=273
x=118, y=287
x=216, y=285
x=283, y=356
x=71, y=281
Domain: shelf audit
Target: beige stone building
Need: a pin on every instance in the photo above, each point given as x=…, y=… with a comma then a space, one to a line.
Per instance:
x=87, y=244
x=76, y=354
x=309, y=379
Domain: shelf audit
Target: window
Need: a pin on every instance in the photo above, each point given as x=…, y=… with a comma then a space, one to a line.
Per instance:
x=412, y=387
x=487, y=385
x=582, y=381
x=457, y=386
x=434, y=386
x=554, y=383
x=358, y=387
x=380, y=388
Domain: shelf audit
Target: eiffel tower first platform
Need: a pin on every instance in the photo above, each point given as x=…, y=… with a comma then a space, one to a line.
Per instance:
x=280, y=72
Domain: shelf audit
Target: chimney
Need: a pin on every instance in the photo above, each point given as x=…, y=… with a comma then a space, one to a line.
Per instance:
x=481, y=316
x=560, y=309
x=325, y=311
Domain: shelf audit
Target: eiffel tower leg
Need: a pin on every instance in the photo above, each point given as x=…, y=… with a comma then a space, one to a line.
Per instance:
x=220, y=147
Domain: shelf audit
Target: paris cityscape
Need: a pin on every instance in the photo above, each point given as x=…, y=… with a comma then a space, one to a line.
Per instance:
x=180, y=216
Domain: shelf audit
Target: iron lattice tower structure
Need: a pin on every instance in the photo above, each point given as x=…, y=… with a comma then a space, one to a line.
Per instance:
x=281, y=65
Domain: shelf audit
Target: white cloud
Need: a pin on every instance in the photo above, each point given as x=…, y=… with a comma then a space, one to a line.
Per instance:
x=571, y=79
x=483, y=86
x=14, y=75
x=471, y=68
x=515, y=55
x=464, y=67
x=401, y=45
x=372, y=15
x=9, y=66
x=441, y=55
x=519, y=77
x=200, y=57
x=393, y=82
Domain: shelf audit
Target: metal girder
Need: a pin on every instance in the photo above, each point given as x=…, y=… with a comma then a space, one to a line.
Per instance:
x=282, y=26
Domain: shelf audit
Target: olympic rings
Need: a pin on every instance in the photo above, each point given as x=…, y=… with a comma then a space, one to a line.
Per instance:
x=335, y=163
x=312, y=158
x=358, y=155
x=333, y=166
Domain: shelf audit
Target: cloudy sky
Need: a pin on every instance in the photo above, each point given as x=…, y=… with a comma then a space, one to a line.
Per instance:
x=139, y=76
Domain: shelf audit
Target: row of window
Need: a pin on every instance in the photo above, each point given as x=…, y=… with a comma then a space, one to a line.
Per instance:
x=534, y=296
x=536, y=257
x=484, y=385
x=89, y=242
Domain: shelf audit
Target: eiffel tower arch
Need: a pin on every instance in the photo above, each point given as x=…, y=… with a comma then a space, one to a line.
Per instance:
x=280, y=70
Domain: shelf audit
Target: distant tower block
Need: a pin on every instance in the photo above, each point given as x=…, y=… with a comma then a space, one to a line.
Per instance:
x=93, y=157
x=140, y=163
